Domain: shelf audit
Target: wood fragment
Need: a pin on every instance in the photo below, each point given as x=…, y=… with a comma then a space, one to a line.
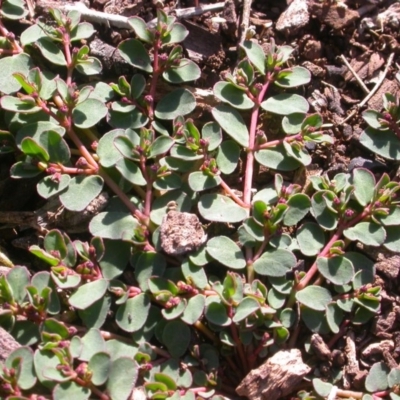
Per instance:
x=7, y=344
x=244, y=25
x=119, y=21
x=357, y=78
x=276, y=378
x=320, y=348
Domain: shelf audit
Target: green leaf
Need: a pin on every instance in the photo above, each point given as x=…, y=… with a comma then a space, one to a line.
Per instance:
x=212, y=133
x=89, y=293
x=120, y=385
x=48, y=186
x=108, y=153
x=368, y=233
x=194, y=309
x=245, y=308
x=218, y=208
x=334, y=317
x=135, y=54
x=131, y=171
x=65, y=390
x=231, y=94
x=27, y=105
x=226, y=251
x=217, y=314
x=176, y=337
x=185, y=71
x=321, y=204
x=296, y=77
x=26, y=378
x=392, y=218
x=174, y=312
x=92, y=342
x=18, y=279
x=292, y=123
x=254, y=229
x=83, y=30
x=132, y=315
x=285, y=104
x=299, y=204
x=392, y=241
x=255, y=54
x=232, y=123
x=81, y=191
x=177, y=34
x=394, y=377
x=113, y=225
x=20, y=63
x=228, y=156
x=100, y=365
x=168, y=381
x=176, y=103
x=13, y=9
x=149, y=264
x=298, y=153
x=384, y=143
x=194, y=273
x=377, y=378
x=51, y=51
x=141, y=30
x=314, y=297
x=199, y=181
x=160, y=146
x=132, y=120
x=83, y=115
x=46, y=362
x=277, y=158
x=56, y=146
x=322, y=388
x=89, y=66
x=95, y=315
x=371, y=117
x=364, y=184
x=275, y=263
x=339, y=270
x=31, y=148
x=168, y=182
x=311, y=238
x=200, y=257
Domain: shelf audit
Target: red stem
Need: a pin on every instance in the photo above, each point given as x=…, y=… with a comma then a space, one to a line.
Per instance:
x=274, y=143
x=124, y=198
x=325, y=251
x=149, y=187
x=228, y=190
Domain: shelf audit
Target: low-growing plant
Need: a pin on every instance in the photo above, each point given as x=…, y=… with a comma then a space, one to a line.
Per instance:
x=189, y=319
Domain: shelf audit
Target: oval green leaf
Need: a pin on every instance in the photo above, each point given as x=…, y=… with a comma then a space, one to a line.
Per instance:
x=226, y=251
x=218, y=208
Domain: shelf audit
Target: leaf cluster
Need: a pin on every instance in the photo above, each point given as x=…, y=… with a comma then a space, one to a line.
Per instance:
x=276, y=259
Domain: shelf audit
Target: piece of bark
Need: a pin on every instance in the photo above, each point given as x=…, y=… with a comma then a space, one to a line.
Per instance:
x=320, y=348
x=200, y=43
x=230, y=26
x=295, y=17
x=7, y=344
x=276, y=378
x=334, y=15
x=110, y=58
x=352, y=367
x=54, y=215
x=388, y=86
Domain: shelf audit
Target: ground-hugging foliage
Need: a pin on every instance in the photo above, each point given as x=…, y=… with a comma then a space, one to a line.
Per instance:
x=187, y=324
